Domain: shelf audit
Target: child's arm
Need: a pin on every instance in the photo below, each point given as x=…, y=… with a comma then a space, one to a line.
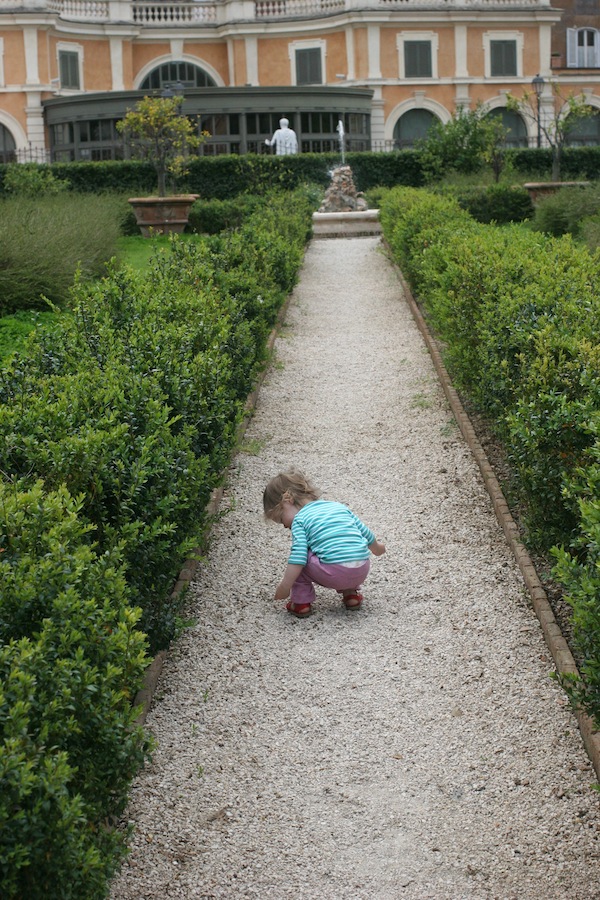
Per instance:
x=285, y=585
x=377, y=548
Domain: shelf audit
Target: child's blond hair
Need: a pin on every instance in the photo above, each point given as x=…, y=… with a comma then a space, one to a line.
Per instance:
x=292, y=486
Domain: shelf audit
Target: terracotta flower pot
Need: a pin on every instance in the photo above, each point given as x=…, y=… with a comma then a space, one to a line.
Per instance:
x=162, y=215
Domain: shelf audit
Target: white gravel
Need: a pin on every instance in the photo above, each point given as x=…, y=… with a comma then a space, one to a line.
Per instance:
x=415, y=749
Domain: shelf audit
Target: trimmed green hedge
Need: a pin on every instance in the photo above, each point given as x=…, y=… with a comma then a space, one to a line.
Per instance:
x=70, y=660
x=519, y=316
x=116, y=428
x=224, y=177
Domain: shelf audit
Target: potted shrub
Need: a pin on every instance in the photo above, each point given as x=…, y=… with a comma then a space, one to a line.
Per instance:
x=157, y=132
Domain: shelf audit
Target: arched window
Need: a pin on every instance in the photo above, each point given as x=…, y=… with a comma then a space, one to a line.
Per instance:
x=516, y=129
x=583, y=48
x=412, y=127
x=585, y=132
x=7, y=146
x=170, y=73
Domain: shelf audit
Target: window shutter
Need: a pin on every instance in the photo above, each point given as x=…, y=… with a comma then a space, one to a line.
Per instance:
x=308, y=66
x=572, y=48
x=417, y=59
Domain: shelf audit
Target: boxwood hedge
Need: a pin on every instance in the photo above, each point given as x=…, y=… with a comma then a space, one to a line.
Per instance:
x=518, y=313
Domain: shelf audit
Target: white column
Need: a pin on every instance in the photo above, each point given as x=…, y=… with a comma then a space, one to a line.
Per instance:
x=350, y=64
x=35, y=121
x=374, y=54
x=231, y=62
x=30, y=41
x=116, y=63
x=545, y=39
x=252, y=61
x=120, y=11
x=377, y=119
x=460, y=51
x=235, y=11
x=176, y=45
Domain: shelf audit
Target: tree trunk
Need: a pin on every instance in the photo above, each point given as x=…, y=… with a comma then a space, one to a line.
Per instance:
x=556, y=153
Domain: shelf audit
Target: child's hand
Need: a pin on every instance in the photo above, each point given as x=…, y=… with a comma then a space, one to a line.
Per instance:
x=377, y=548
x=282, y=592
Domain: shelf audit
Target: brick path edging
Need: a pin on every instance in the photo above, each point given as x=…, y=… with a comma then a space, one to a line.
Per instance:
x=143, y=698
x=555, y=641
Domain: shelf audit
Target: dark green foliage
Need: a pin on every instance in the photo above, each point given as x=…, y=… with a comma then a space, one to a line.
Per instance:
x=565, y=211
x=130, y=405
x=213, y=216
x=519, y=317
x=70, y=660
x=44, y=241
x=499, y=203
x=135, y=401
x=31, y=180
x=225, y=177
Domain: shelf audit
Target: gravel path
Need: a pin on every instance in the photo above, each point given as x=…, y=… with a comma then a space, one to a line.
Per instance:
x=415, y=749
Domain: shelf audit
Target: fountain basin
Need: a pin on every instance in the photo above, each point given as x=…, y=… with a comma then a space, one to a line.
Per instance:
x=358, y=223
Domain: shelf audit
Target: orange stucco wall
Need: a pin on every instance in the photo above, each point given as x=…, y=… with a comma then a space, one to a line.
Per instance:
x=14, y=105
x=361, y=53
x=143, y=54
x=239, y=63
x=214, y=54
x=15, y=52
x=335, y=59
x=446, y=53
x=273, y=61
x=96, y=66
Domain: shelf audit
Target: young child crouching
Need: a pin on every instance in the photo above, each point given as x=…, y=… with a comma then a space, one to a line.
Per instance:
x=330, y=545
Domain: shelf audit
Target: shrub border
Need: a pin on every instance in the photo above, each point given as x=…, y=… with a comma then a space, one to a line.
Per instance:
x=145, y=695
x=553, y=636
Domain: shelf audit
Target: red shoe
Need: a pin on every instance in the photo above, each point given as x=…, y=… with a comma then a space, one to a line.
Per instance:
x=353, y=601
x=300, y=610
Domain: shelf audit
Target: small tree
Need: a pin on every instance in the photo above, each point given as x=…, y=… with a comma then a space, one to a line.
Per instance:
x=565, y=112
x=465, y=144
x=156, y=131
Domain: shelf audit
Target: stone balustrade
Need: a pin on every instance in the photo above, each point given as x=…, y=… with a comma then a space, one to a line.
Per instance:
x=173, y=13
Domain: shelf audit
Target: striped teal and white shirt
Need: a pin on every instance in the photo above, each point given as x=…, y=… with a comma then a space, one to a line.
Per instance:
x=331, y=531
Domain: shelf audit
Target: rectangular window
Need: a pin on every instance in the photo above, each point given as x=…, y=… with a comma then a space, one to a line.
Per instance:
x=417, y=59
x=68, y=64
x=503, y=58
x=308, y=66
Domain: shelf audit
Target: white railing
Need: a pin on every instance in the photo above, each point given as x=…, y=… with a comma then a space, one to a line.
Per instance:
x=173, y=13
x=284, y=9
x=81, y=10
x=164, y=13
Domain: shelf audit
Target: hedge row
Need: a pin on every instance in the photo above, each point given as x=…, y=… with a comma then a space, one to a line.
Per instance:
x=519, y=316
x=224, y=177
x=116, y=428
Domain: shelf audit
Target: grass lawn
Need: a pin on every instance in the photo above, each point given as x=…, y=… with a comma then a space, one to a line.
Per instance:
x=137, y=251
x=14, y=329
x=133, y=251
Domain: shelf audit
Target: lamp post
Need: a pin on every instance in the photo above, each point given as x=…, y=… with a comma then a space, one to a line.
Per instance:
x=538, y=85
x=173, y=90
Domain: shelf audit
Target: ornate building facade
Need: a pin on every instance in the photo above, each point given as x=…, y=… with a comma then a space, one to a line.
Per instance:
x=69, y=69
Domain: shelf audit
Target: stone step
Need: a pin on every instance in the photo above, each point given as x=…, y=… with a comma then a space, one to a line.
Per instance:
x=346, y=224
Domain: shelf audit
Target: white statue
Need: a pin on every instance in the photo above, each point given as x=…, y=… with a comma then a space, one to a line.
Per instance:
x=285, y=139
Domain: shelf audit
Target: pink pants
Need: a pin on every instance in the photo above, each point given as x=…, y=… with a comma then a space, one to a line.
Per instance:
x=329, y=575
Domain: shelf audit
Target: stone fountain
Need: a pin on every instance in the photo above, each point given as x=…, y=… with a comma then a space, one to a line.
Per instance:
x=344, y=210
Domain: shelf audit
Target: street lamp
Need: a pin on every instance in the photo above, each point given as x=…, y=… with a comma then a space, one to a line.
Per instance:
x=173, y=90
x=538, y=85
